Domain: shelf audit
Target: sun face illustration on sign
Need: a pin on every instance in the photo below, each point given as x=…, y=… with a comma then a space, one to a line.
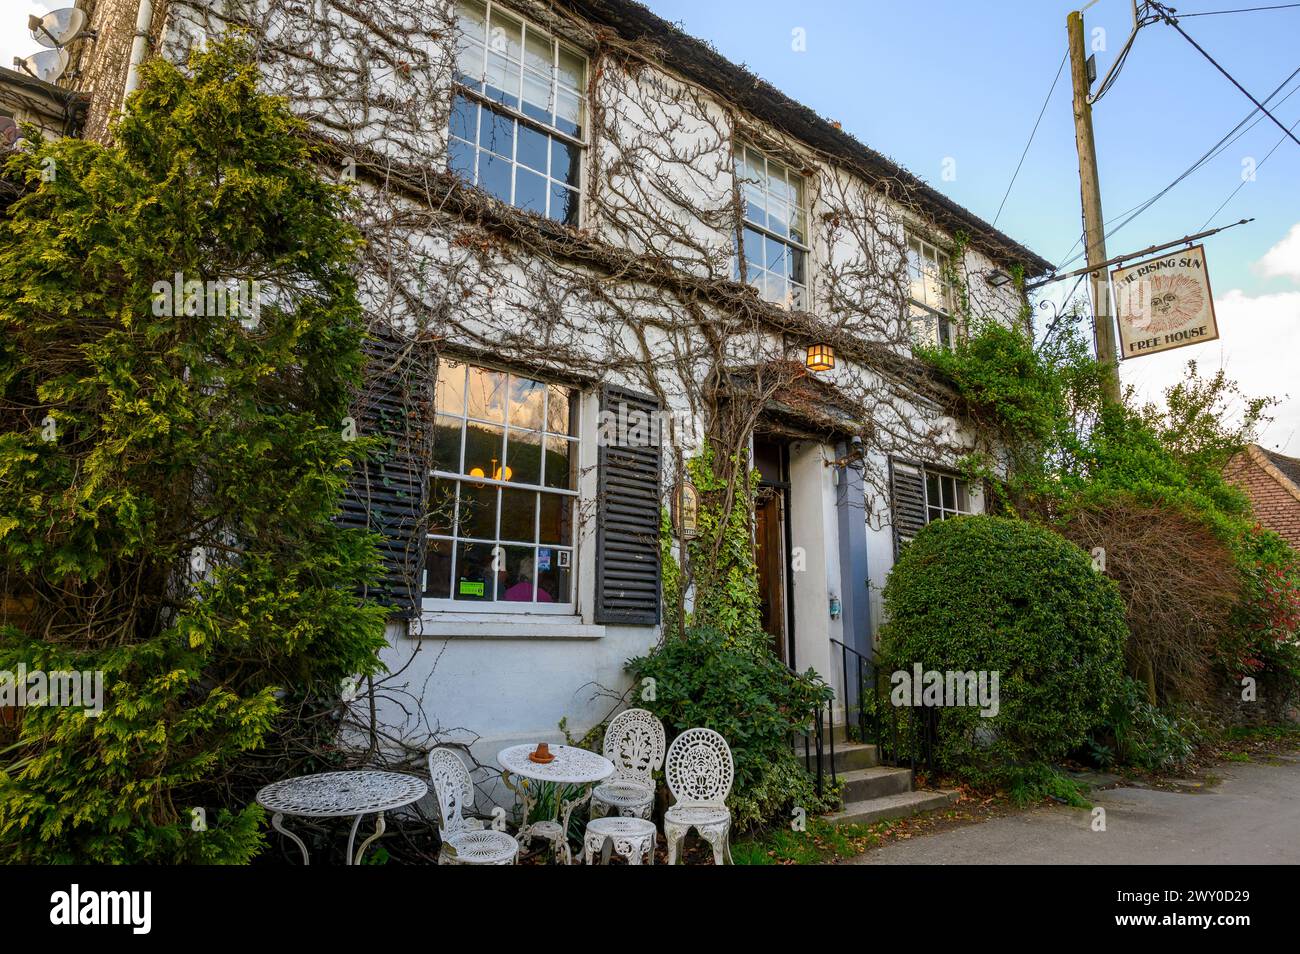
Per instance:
x=1173, y=300
x=1164, y=303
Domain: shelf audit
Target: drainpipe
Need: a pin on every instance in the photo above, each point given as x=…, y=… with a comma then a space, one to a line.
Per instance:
x=143, y=21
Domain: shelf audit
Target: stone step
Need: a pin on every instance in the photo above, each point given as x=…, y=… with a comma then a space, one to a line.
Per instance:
x=849, y=756
x=888, y=807
x=863, y=784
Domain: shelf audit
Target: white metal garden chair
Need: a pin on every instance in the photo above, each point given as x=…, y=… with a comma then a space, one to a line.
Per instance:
x=464, y=840
x=699, y=771
x=634, y=742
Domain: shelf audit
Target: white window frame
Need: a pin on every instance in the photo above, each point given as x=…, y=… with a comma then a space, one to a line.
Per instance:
x=961, y=495
x=508, y=607
x=550, y=130
x=938, y=316
x=792, y=178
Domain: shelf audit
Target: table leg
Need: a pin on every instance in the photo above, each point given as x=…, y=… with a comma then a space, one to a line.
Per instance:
x=277, y=822
x=379, y=830
x=566, y=810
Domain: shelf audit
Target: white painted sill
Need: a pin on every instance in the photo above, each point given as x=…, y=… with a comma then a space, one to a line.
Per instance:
x=503, y=626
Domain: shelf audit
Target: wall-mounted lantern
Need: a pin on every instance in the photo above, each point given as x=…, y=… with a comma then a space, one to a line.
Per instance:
x=821, y=357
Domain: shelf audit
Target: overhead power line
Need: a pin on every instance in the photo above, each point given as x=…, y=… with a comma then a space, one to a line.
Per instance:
x=1173, y=22
x=1231, y=136
x=1060, y=69
x=1218, y=13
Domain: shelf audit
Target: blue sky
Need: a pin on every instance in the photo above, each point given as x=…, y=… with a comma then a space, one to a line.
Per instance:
x=934, y=79
x=927, y=80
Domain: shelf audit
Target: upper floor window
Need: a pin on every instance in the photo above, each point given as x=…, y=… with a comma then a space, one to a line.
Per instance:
x=775, y=237
x=517, y=114
x=930, y=291
x=503, y=493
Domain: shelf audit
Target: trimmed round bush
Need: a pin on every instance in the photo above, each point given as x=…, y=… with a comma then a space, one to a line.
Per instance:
x=994, y=595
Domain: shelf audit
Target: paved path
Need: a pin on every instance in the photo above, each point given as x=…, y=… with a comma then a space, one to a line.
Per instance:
x=1251, y=817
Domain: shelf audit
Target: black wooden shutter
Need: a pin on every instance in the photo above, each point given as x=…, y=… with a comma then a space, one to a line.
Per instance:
x=627, y=510
x=386, y=493
x=907, y=492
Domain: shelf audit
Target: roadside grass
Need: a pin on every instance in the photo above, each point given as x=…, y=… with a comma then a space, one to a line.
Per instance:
x=826, y=844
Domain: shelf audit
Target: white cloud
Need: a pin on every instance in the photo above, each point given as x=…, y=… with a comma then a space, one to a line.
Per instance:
x=1283, y=259
x=1259, y=347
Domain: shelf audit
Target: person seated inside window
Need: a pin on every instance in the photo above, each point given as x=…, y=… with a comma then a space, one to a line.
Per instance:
x=522, y=590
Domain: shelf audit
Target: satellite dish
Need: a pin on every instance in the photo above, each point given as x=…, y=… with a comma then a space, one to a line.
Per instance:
x=59, y=27
x=47, y=65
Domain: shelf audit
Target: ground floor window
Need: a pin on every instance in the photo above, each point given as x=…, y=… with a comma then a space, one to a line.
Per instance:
x=503, y=492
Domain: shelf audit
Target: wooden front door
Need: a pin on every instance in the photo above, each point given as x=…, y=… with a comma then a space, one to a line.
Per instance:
x=770, y=553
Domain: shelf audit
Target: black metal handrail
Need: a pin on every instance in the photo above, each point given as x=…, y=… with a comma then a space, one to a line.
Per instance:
x=903, y=735
x=814, y=744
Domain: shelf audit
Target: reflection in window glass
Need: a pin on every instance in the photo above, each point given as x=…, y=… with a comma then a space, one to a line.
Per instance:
x=930, y=307
x=531, y=163
x=503, y=490
x=775, y=233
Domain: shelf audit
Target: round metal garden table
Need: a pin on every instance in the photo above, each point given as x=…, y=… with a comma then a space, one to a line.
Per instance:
x=340, y=795
x=571, y=766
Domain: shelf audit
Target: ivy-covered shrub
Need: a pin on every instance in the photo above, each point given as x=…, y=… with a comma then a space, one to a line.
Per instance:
x=170, y=466
x=751, y=699
x=996, y=595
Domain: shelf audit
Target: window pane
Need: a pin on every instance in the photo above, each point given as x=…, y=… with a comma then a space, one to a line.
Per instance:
x=568, y=114
x=494, y=175
x=753, y=247
x=449, y=393
x=554, y=571
x=483, y=450
x=497, y=133
x=564, y=204
x=437, y=568
x=539, y=51
x=472, y=19
x=520, y=572
x=560, y=412
x=487, y=398
x=949, y=493
x=505, y=34
x=778, y=217
x=776, y=256
x=460, y=159
x=524, y=457
x=446, y=443
x=935, y=514
x=442, y=505
x=475, y=580
x=932, y=490
x=537, y=97
x=561, y=461
x=503, y=80
x=477, y=511
x=530, y=191
x=572, y=73
x=526, y=400
x=797, y=266
x=533, y=147
x=556, y=524
x=564, y=162
x=464, y=118
x=518, y=515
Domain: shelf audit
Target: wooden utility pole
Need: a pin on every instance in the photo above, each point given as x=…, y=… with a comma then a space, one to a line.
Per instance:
x=1094, y=233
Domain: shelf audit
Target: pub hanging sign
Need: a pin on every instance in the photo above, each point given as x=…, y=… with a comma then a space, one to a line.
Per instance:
x=1164, y=303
